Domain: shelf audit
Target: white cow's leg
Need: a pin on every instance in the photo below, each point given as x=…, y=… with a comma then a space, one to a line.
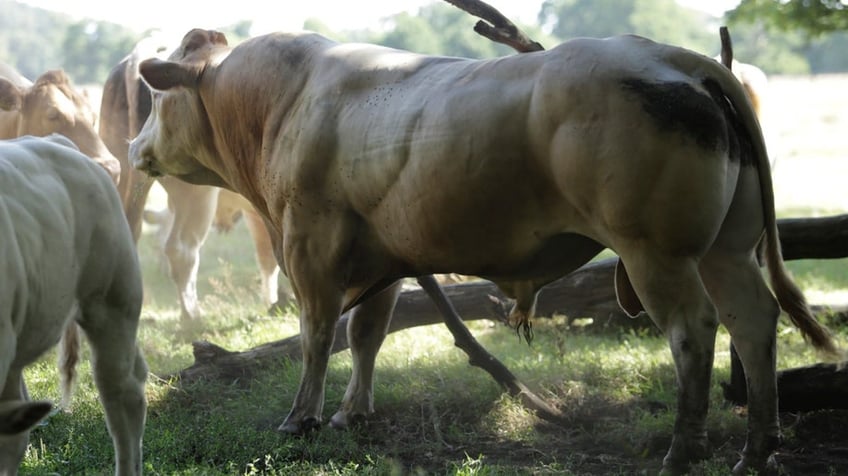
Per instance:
x=366, y=330
x=673, y=295
x=12, y=447
x=265, y=258
x=134, y=197
x=193, y=208
x=119, y=373
x=750, y=312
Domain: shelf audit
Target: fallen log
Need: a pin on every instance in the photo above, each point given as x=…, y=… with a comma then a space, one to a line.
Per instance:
x=586, y=292
x=814, y=387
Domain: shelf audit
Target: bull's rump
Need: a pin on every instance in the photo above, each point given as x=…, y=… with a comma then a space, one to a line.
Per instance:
x=472, y=166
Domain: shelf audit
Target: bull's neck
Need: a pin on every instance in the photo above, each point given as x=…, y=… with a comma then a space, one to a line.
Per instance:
x=237, y=118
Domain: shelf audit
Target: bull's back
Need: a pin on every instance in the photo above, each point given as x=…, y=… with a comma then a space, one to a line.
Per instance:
x=574, y=140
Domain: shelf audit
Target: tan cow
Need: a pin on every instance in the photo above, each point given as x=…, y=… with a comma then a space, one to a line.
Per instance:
x=52, y=105
x=370, y=164
x=67, y=258
x=192, y=208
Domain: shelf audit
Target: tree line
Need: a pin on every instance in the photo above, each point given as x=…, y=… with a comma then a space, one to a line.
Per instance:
x=779, y=36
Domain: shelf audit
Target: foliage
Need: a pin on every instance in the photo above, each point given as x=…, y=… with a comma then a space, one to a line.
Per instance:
x=660, y=20
x=814, y=17
x=28, y=37
x=90, y=49
x=35, y=40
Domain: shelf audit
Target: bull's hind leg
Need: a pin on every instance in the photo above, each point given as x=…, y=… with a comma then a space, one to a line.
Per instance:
x=120, y=373
x=366, y=331
x=673, y=295
x=750, y=312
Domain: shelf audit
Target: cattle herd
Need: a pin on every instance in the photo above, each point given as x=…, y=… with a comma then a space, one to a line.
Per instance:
x=357, y=166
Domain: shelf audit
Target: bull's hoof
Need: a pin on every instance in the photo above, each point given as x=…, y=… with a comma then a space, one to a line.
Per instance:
x=342, y=421
x=751, y=465
x=300, y=428
x=681, y=456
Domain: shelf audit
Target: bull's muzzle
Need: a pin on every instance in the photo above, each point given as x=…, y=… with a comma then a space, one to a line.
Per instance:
x=142, y=158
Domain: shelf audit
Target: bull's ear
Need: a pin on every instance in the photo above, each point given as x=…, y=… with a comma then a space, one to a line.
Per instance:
x=10, y=96
x=164, y=75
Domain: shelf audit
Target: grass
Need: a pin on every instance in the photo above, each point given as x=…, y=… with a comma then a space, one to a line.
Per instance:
x=435, y=414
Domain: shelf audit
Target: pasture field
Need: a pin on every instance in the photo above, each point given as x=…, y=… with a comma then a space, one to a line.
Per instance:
x=434, y=413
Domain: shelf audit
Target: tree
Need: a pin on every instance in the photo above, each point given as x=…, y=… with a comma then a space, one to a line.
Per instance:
x=813, y=17
x=91, y=48
x=660, y=20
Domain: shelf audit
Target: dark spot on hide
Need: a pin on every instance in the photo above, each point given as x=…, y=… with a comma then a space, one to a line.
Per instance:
x=740, y=143
x=677, y=106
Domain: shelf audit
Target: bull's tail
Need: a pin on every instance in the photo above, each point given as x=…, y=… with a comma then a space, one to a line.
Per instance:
x=789, y=296
x=69, y=350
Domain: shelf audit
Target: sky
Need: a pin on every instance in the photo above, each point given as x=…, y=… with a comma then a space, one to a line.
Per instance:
x=179, y=16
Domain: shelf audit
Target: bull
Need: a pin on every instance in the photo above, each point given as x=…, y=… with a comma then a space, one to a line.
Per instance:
x=371, y=164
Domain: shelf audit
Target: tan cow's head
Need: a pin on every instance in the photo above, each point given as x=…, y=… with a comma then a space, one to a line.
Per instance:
x=174, y=146
x=51, y=105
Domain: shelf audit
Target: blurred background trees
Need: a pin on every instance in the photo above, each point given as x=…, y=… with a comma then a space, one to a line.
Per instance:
x=779, y=36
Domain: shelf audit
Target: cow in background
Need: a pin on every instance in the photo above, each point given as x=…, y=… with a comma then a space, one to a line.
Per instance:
x=67, y=258
x=50, y=105
x=191, y=208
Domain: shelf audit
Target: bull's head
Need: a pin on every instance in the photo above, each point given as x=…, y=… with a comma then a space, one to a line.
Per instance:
x=176, y=138
x=52, y=106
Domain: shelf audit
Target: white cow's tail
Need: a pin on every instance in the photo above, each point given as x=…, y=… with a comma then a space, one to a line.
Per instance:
x=69, y=349
x=789, y=296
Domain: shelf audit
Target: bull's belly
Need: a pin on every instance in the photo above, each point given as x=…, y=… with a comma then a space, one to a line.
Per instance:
x=493, y=256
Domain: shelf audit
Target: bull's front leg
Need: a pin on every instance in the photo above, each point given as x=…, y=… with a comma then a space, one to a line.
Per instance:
x=315, y=280
x=366, y=330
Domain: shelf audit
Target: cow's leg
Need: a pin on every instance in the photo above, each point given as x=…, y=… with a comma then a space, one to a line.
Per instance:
x=320, y=307
x=674, y=296
x=750, y=312
x=134, y=196
x=315, y=247
x=268, y=268
x=366, y=330
x=119, y=373
x=193, y=208
x=12, y=445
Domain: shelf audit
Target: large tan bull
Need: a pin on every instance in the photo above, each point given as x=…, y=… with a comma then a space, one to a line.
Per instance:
x=52, y=105
x=67, y=258
x=370, y=164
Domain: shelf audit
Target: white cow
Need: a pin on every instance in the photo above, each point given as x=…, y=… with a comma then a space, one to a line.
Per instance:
x=370, y=164
x=67, y=258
